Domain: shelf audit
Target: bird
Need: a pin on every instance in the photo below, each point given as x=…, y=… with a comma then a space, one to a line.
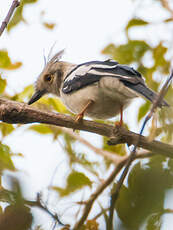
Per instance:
x=96, y=89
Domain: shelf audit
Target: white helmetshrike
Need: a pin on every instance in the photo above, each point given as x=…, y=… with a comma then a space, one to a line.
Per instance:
x=97, y=89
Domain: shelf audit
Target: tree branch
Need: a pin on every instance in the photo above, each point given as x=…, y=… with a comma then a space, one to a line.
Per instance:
x=105, y=184
x=4, y=24
x=98, y=191
x=19, y=113
x=15, y=112
x=39, y=204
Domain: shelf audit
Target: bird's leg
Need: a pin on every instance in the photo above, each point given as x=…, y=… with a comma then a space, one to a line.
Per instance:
x=80, y=116
x=121, y=115
x=120, y=123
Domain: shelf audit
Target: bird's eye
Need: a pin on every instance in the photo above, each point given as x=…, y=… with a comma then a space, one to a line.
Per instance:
x=48, y=78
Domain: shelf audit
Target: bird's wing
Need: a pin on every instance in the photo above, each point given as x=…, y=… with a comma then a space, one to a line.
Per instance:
x=88, y=73
x=91, y=72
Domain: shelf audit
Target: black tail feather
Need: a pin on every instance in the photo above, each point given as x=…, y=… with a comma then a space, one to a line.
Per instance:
x=146, y=92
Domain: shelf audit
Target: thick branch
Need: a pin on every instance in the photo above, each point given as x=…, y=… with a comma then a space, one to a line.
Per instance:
x=15, y=112
x=4, y=24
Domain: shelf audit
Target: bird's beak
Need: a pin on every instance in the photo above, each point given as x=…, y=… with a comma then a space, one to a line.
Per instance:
x=37, y=95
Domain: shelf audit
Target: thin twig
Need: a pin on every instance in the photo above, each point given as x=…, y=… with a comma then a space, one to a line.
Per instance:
x=100, y=214
x=39, y=204
x=4, y=24
x=98, y=191
x=115, y=194
x=166, y=5
x=110, y=156
x=104, y=185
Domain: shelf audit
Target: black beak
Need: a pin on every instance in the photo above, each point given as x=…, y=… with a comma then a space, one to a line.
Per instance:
x=37, y=95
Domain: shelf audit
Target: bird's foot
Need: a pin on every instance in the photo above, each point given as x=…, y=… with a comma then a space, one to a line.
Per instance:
x=118, y=123
x=79, y=117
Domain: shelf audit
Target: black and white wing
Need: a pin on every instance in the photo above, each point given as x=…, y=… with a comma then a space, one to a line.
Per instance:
x=82, y=76
x=88, y=73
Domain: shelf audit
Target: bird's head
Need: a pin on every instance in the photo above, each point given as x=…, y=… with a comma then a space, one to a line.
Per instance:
x=50, y=79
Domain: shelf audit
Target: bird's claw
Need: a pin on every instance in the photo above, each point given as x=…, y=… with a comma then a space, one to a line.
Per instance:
x=118, y=124
x=79, y=118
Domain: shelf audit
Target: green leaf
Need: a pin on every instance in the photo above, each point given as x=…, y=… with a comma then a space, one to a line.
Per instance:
x=154, y=222
x=57, y=105
x=42, y=129
x=128, y=53
x=49, y=103
x=18, y=15
x=136, y=22
x=117, y=149
x=17, y=217
x=5, y=158
x=5, y=62
x=25, y=94
x=3, y=84
x=6, y=129
x=7, y=196
x=29, y=1
x=109, y=50
x=147, y=185
x=159, y=58
x=75, y=181
x=143, y=110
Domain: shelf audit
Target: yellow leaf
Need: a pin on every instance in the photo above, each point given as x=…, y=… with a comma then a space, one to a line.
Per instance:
x=3, y=84
x=49, y=26
x=5, y=61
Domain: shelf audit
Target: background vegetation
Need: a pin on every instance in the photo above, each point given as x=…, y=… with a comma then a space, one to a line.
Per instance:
x=141, y=203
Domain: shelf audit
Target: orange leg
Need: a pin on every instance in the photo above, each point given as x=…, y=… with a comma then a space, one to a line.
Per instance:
x=80, y=116
x=120, y=123
x=121, y=115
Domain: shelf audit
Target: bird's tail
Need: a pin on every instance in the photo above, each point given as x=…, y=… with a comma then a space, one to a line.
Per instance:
x=148, y=93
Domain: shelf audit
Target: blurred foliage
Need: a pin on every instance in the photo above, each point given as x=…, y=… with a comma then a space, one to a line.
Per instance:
x=117, y=149
x=147, y=183
x=24, y=95
x=18, y=15
x=135, y=22
x=6, y=129
x=141, y=200
x=134, y=52
x=5, y=158
x=16, y=215
x=91, y=225
x=49, y=26
x=5, y=61
x=3, y=84
x=75, y=181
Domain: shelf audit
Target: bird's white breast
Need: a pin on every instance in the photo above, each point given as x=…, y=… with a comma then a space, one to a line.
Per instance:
x=109, y=94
